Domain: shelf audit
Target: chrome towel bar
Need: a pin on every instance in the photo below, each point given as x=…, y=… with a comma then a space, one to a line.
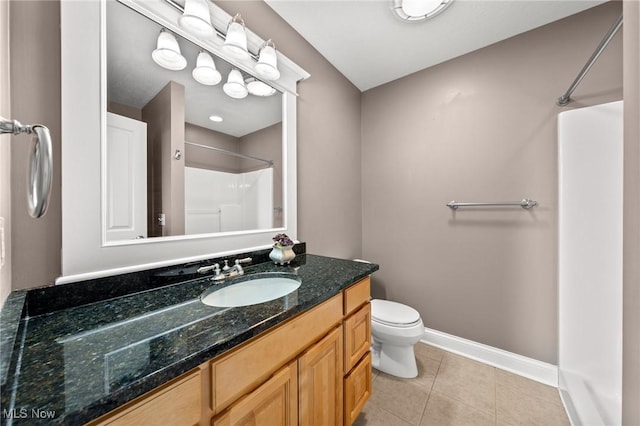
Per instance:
x=40, y=164
x=525, y=204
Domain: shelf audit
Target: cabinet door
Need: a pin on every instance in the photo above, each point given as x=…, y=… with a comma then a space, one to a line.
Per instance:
x=357, y=336
x=321, y=382
x=357, y=389
x=274, y=403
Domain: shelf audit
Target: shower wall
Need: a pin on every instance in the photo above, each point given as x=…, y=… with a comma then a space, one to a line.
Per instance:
x=590, y=147
x=481, y=127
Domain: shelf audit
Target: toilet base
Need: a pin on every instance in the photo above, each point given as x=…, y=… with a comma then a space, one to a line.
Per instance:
x=399, y=361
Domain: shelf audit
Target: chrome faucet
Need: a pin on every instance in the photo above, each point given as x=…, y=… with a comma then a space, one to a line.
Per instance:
x=215, y=268
x=237, y=266
x=227, y=271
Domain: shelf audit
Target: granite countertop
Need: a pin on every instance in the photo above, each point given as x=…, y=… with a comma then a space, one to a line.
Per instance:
x=73, y=364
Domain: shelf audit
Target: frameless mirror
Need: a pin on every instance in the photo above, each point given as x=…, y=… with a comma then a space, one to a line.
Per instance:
x=181, y=157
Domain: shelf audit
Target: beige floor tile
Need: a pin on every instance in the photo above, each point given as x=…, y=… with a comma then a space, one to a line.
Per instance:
x=520, y=401
x=423, y=350
x=403, y=398
x=372, y=415
x=522, y=385
x=467, y=381
x=444, y=411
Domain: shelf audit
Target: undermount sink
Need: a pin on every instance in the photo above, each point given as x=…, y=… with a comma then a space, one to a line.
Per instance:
x=252, y=290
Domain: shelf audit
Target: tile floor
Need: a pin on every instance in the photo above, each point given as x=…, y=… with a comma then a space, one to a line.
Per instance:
x=457, y=391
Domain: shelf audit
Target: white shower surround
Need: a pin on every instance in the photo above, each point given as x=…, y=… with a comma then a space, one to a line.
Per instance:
x=217, y=201
x=590, y=160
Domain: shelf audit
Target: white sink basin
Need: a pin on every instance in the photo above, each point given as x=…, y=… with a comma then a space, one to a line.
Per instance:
x=259, y=289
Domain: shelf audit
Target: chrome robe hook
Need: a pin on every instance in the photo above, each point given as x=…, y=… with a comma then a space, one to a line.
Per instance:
x=40, y=164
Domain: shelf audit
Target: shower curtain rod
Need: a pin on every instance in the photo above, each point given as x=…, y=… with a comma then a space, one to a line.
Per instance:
x=234, y=154
x=566, y=98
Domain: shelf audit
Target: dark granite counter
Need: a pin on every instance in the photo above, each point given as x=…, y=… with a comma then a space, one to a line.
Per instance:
x=69, y=363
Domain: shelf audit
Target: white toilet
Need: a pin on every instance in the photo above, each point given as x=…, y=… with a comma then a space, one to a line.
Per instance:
x=395, y=328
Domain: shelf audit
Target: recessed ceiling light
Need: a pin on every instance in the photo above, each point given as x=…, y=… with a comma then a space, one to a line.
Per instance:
x=419, y=10
x=215, y=118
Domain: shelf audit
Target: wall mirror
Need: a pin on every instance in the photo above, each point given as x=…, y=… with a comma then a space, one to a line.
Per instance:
x=253, y=148
x=222, y=173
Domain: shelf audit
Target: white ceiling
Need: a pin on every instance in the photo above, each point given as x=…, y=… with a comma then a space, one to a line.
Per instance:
x=370, y=46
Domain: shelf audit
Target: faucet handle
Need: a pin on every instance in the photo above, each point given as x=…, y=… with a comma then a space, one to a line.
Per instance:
x=245, y=260
x=204, y=269
x=226, y=266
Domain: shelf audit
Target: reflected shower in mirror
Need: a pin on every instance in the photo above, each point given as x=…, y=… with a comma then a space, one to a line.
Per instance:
x=183, y=157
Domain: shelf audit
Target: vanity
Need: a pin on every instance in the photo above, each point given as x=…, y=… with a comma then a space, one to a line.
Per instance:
x=161, y=355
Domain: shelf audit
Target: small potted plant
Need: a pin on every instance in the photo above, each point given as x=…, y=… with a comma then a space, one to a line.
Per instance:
x=282, y=251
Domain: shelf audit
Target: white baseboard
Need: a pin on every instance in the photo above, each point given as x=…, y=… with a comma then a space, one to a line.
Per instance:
x=527, y=367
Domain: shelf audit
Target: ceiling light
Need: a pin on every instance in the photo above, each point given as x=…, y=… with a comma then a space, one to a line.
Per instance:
x=205, y=71
x=215, y=118
x=419, y=10
x=259, y=88
x=167, y=53
x=267, y=65
x=235, y=87
x=235, y=42
x=196, y=18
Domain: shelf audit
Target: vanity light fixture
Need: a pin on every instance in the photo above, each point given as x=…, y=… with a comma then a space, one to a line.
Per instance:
x=196, y=18
x=205, y=71
x=418, y=10
x=259, y=88
x=167, y=53
x=235, y=87
x=235, y=42
x=267, y=66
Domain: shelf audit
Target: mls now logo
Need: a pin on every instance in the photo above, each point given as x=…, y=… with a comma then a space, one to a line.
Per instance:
x=23, y=413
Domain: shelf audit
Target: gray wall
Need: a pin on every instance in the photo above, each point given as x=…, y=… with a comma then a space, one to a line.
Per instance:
x=5, y=154
x=329, y=177
x=481, y=127
x=35, y=98
x=631, y=224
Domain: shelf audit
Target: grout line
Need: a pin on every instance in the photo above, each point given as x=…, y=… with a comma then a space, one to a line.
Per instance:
x=424, y=411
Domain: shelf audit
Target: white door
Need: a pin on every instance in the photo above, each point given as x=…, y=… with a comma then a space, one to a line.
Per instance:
x=126, y=173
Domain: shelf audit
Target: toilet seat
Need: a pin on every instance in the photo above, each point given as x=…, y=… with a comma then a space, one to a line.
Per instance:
x=394, y=314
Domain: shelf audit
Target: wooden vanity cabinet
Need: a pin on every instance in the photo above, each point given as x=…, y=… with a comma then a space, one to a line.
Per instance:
x=314, y=369
x=357, y=349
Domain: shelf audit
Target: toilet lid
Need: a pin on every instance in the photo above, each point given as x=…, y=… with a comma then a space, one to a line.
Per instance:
x=393, y=312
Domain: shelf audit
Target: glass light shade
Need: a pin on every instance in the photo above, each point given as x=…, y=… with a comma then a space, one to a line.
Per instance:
x=205, y=71
x=419, y=10
x=259, y=88
x=235, y=42
x=267, y=66
x=167, y=53
x=196, y=18
x=234, y=87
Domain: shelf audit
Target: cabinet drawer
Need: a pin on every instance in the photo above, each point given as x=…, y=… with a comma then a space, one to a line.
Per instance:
x=356, y=295
x=237, y=373
x=357, y=389
x=178, y=403
x=357, y=336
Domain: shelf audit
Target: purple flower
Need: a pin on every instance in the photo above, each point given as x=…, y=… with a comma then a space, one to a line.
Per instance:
x=282, y=240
